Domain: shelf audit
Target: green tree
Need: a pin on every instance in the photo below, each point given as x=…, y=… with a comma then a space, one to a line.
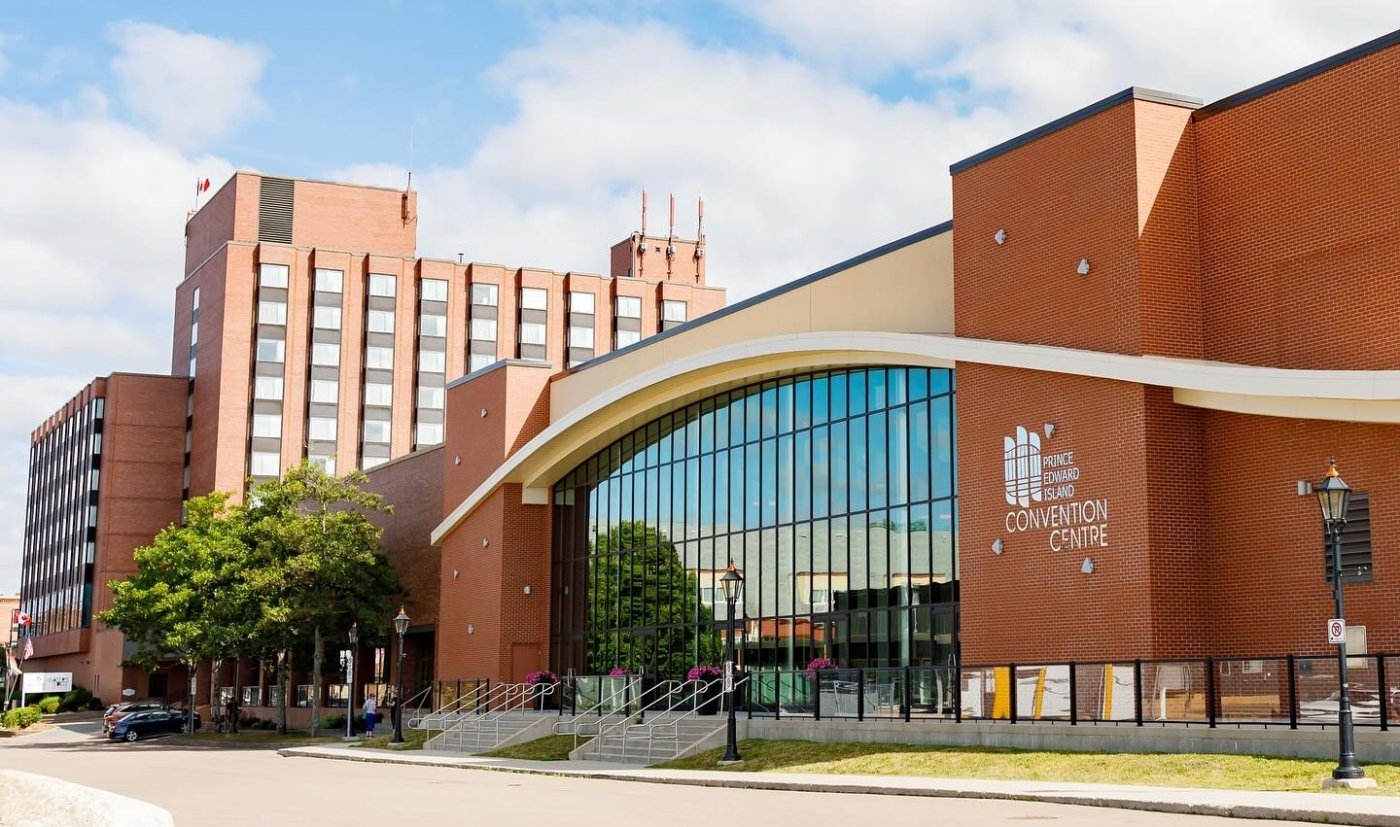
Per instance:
x=319, y=566
x=190, y=596
x=638, y=581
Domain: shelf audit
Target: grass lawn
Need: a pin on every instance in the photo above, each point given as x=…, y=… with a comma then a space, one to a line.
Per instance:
x=548, y=748
x=252, y=738
x=1230, y=772
x=412, y=739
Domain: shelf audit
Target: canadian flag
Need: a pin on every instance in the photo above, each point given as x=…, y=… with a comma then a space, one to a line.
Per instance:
x=201, y=186
x=22, y=619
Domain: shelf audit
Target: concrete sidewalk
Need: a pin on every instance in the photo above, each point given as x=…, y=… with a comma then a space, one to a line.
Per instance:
x=1328, y=808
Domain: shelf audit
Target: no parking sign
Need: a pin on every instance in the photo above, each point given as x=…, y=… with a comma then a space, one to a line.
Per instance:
x=1336, y=630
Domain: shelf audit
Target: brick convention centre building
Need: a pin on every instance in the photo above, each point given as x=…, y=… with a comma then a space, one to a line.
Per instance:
x=1071, y=424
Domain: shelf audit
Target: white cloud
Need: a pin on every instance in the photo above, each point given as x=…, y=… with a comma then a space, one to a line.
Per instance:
x=191, y=88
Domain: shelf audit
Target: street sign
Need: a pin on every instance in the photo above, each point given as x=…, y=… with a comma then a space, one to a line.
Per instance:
x=1336, y=630
x=40, y=682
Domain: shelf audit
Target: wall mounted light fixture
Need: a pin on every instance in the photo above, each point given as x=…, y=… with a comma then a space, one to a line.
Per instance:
x=1083, y=268
x=471, y=628
x=1088, y=566
x=997, y=546
x=1049, y=429
x=1000, y=237
x=485, y=542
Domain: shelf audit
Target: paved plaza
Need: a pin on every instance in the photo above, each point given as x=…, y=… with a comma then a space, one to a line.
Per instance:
x=217, y=786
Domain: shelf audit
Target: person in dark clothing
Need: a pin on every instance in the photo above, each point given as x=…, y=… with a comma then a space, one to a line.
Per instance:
x=231, y=715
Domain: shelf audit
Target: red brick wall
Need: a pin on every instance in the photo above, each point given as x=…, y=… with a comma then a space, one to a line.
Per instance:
x=412, y=485
x=1299, y=193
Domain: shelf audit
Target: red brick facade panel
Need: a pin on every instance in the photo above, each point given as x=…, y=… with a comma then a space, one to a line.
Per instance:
x=413, y=486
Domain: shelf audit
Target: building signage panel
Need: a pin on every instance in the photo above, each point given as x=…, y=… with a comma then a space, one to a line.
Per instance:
x=1044, y=491
x=40, y=682
x=1336, y=630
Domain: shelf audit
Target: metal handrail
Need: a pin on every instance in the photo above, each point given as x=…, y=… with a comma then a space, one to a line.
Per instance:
x=674, y=722
x=513, y=697
x=670, y=700
x=609, y=703
x=662, y=689
x=438, y=718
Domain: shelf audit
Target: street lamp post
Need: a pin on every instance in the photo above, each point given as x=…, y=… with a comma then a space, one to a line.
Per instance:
x=400, y=626
x=1333, y=494
x=350, y=681
x=733, y=583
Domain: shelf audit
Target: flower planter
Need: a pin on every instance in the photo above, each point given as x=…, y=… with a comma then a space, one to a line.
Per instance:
x=709, y=701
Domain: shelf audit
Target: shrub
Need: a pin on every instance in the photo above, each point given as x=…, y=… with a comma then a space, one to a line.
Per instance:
x=818, y=664
x=95, y=705
x=49, y=705
x=22, y=717
x=704, y=672
x=78, y=698
x=338, y=722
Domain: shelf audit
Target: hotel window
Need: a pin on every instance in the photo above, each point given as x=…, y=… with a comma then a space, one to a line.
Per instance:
x=271, y=350
x=320, y=427
x=326, y=462
x=381, y=285
x=270, y=312
x=267, y=387
x=378, y=393
x=194, y=300
x=329, y=281
x=581, y=302
x=481, y=360
x=627, y=337
x=429, y=433
x=672, y=313
x=373, y=462
x=434, y=290
x=580, y=337
x=484, y=330
x=534, y=298
x=432, y=361
x=272, y=275
x=381, y=321
x=629, y=307
x=532, y=333
x=379, y=358
x=267, y=425
x=327, y=318
x=264, y=464
x=534, y=304
x=484, y=294
x=376, y=431
x=326, y=391
x=432, y=325
x=430, y=398
x=325, y=353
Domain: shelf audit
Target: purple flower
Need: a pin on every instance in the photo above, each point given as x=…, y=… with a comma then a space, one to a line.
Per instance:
x=541, y=676
x=817, y=664
x=619, y=672
x=704, y=672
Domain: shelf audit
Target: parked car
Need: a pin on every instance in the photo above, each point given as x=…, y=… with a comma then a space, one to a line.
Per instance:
x=138, y=725
x=115, y=712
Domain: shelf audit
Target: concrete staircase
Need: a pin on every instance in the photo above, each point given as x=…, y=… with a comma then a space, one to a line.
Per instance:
x=661, y=737
x=483, y=733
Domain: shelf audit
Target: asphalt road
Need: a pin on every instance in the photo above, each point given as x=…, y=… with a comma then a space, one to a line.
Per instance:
x=216, y=786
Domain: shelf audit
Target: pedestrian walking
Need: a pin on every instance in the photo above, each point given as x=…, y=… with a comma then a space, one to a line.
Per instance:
x=371, y=714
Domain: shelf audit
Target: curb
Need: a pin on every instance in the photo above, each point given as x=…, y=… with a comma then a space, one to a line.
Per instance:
x=754, y=782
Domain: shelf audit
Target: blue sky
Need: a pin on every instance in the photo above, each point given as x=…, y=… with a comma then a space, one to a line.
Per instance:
x=814, y=129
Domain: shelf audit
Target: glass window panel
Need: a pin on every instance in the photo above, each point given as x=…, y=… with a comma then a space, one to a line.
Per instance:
x=769, y=482
x=329, y=281
x=752, y=487
x=838, y=396
x=320, y=427
x=721, y=417
x=382, y=285
x=379, y=358
x=434, y=290
x=856, y=382
x=897, y=380
x=532, y=333
x=325, y=353
x=379, y=393
x=581, y=302
x=270, y=275
x=941, y=413
x=271, y=350
x=432, y=325
x=580, y=336
x=270, y=312
x=429, y=433
x=821, y=471
x=267, y=387
x=485, y=294
x=430, y=397
x=267, y=425
x=721, y=492
x=673, y=311
x=918, y=451
x=326, y=318
x=800, y=465
x=325, y=391
x=264, y=464
x=624, y=338
x=629, y=307
x=376, y=430
x=918, y=383
x=534, y=298
x=840, y=468
x=858, y=464
x=480, y=360
x=877, y=383
x=432, y=361
x=381, y=321
x=877, y=460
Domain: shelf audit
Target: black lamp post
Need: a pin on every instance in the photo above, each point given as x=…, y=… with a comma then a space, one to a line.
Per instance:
x=733, y=583
x=1333, y=494
x=350, y=681
x=400, y=626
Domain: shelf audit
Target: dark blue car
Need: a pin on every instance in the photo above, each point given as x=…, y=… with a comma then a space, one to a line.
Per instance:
x=144, y=724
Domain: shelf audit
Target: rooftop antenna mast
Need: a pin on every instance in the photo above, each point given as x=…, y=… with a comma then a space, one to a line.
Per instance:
x=642, y=241
x=409, y=185
x=671, y=237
